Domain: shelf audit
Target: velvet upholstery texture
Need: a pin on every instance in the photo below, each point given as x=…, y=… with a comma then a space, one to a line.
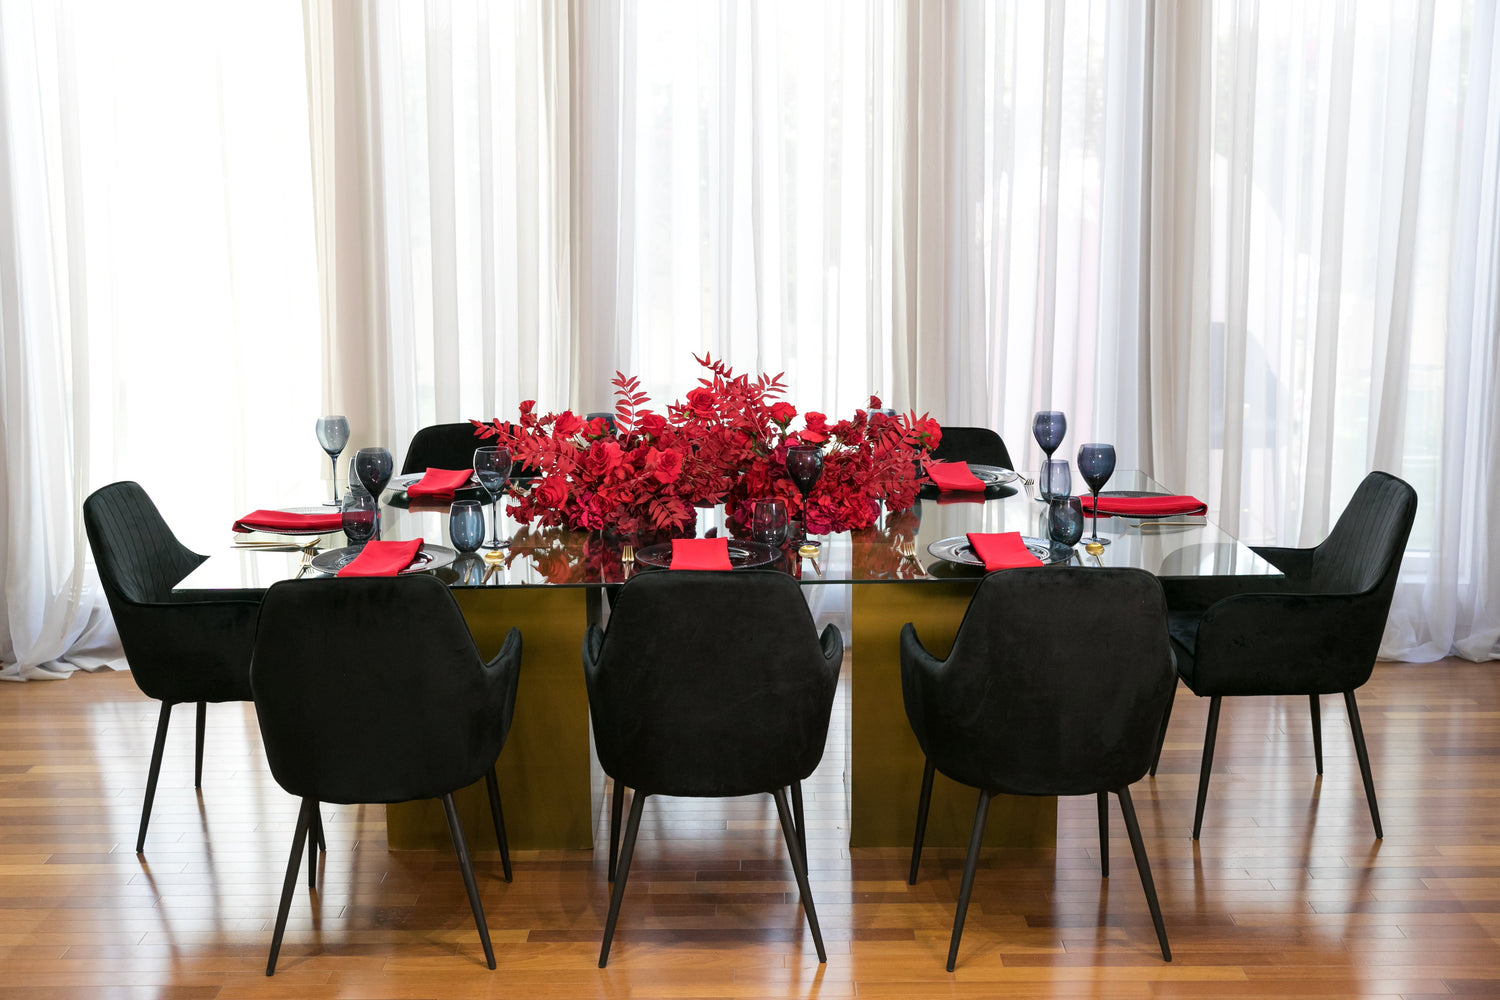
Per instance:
x=972, y=444
x=442, y=446
x=1055, y=684
x=711, y=684
x=372, y=690
x=186, y=646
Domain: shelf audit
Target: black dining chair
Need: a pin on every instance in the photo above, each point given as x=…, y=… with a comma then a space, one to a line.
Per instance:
x=1055, y=686
x=184, y=646
x=370, y=690
x=442, y=446
x=1316, y=632
x=711, y=685
x=979, y=445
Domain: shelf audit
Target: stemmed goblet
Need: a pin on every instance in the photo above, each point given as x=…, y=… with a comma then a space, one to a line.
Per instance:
x=1097, y=463
x=804, y=464
x=373, y=468
x=333, y=434
x=492, y=466
x=1048, y=427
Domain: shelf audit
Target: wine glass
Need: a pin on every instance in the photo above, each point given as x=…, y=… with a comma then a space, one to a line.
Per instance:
x=804, y=464
x=492, y=466
x=358, y=512
x=466, y=524
x=1097, y=463
x=768, y=523
x=1066, y=520
x=373, y=468
x=333, y=434
x=1055, y=479
x=1048, y=427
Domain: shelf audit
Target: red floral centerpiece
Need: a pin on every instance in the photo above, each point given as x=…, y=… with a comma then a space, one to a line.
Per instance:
x=726, y=443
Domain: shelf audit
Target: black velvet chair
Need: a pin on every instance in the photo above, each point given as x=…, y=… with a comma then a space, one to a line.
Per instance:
x=442, y=446
x=184, y=647
x=371, y=690
x=710, y=685
x=1055, y=686
x=1316, y=632
x=972, y=444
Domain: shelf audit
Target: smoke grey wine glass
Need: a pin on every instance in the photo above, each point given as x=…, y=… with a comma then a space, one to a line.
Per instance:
x=492, y=466
x=1066, y=521
x=1055, y=479
x=333, y=434
x=466, y=524
x=1096, y=462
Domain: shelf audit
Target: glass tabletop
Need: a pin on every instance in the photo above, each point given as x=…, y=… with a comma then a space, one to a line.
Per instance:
x=895, y=550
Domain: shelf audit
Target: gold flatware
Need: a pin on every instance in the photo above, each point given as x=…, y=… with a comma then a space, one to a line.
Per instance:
x=1095, y=549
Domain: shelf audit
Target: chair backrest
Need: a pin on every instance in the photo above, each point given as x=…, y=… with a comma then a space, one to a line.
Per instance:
x=972, y=444
x=1364, y=549
x=711, y=684
x=139, y=558
x=1056, y=684
x=371, y=690
x=442, y=446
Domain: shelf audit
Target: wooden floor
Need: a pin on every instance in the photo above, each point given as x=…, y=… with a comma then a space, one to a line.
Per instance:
x=1287, y=895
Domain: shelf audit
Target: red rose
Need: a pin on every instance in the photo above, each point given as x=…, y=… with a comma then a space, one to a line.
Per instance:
x=782, y=413
x=567, y=424
x=552, y=493
x=816, y=431
x=652, y=424
x=702, y=402
x=666, y=466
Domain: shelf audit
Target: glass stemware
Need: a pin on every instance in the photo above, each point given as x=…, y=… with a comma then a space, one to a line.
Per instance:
x=1097, y=463
x=1065, y=521
x=1048, y=427
x=333, y=434
x=373, y=468
x=358, y=512
x=768, y=523
x=1055, y=480
x=804, y=464
x=466, y=524
x=492, y=466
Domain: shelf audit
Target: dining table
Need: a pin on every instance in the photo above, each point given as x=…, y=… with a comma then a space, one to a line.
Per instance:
x=551, y=582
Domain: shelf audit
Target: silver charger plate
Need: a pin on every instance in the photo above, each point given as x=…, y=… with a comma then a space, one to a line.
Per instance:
x=400, y=483
x=300, y=531
x=996, y=480
x=742, y=555
x=958, y=550
x=428, y=557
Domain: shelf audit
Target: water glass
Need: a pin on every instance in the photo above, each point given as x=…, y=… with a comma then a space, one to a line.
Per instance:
x=358, y=511
x=1066, y=520
x=466, y=524
x=1056, y=479
x=768, y=523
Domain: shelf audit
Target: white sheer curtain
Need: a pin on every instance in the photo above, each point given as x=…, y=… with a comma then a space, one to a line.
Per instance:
x=1326, y=273
x=159, y=314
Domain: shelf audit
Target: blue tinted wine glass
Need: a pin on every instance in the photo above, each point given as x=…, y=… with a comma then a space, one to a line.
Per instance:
x=1066, y=521
x=1056, y=479
x=358, y=512
x=1096, y=462
x=333, y=434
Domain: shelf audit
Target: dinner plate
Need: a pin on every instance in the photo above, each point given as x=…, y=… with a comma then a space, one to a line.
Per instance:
x=300, y=531
x=958, y=550
x=1136, y=493
x=996, y=479
x=742, y=555
x=398, y=498
x=428, y=557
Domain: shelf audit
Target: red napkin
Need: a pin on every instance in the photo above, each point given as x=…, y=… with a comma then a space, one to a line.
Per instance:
x=700, y=553
x=439, y=484
x=383, y=558
x=1144, y=506
x=1002, y=550
x=285, y=520
x=953, y=476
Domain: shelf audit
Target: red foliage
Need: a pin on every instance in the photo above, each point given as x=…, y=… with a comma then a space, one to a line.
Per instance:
x=726, y=443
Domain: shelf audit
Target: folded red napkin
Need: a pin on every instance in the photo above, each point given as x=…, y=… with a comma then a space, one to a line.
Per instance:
x=383, y=558
x=1001, y=550
x=1145, y=506
x=953, y=476
x=700, y=553
x=285, y=520
x=439, y=484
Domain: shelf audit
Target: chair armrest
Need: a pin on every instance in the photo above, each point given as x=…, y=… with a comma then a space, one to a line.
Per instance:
x=501, y=675
x=832, y=642
x=1295, y=563
x=198, y=597
x=919, y=674
x=1199, y=593
x=593, y=646
x=1288, y=644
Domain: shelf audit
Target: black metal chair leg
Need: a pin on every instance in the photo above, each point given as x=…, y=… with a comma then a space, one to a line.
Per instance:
x=1208, y=761
x=457, y=833
x=923, y=801
x=800, y=817
x=1143, y=865
x=1364, y=761
x=317, y=826
x=492, y=784
x=1317, y=727
x=156, y=752
x=314, y=822
x=616, y=809
x=1104, y=833
x=198, y=757
x=791, y=832
x=976, y=838
x=633, y=826
x=1161, y=735
x=304, y=818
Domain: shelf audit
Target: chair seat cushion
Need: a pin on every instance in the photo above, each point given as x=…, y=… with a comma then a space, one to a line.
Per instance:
x=1182, y=626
